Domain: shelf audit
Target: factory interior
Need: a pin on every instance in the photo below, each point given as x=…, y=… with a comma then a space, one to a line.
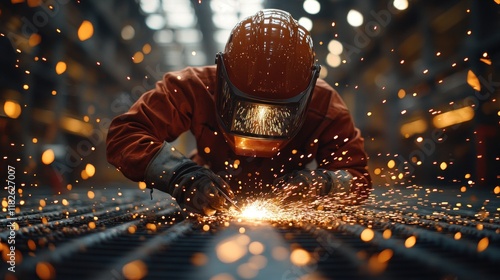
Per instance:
x=420, y=78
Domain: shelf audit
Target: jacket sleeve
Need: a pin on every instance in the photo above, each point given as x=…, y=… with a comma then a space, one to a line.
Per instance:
x=134, y=137
x=342, y=148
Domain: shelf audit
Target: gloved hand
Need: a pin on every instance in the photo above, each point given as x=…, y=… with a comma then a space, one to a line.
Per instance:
x=308, y=184
x=195, y=188
x=198, y=189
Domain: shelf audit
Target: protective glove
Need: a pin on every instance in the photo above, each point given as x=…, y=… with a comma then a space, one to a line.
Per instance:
x=195, y=188
x=308, y=184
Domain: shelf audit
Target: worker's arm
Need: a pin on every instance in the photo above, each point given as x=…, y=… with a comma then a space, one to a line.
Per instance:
x=341, y=158
x=341, y=151
x=196, y=188
x=312, y=183
x=138, y=145
x=136, y=136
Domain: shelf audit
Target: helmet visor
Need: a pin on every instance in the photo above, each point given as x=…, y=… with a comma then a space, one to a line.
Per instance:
x=246, y=115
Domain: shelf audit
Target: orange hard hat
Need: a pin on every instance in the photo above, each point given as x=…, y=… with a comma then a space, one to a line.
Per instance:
x=266, y=75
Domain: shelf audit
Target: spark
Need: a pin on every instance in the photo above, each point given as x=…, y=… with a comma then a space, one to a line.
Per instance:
x=260, y=210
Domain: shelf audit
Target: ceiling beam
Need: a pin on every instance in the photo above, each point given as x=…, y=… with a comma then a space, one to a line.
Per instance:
x=205, y=24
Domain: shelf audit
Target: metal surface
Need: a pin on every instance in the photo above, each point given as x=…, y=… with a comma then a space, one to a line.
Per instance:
x=125, y=235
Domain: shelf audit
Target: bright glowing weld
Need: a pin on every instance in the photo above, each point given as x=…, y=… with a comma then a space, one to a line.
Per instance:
x=260, y=210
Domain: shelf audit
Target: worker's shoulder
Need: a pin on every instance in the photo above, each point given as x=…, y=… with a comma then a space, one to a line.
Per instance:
x=326, y=100
x=325, y=90
x=204, y=73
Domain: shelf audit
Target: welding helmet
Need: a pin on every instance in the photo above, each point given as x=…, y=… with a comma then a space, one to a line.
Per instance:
x=265, y=79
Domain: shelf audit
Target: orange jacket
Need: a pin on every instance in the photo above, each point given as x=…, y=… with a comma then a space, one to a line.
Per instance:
x=184, y=100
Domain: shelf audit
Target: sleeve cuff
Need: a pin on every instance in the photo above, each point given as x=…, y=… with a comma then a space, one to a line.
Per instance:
x=341, y=181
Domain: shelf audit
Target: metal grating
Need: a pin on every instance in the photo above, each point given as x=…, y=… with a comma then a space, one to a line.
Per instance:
x=129, y=236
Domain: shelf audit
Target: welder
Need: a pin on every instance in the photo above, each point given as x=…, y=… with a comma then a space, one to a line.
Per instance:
x=262, y=119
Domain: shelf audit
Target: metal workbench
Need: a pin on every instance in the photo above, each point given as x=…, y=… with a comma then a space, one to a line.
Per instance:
x=121, y=233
